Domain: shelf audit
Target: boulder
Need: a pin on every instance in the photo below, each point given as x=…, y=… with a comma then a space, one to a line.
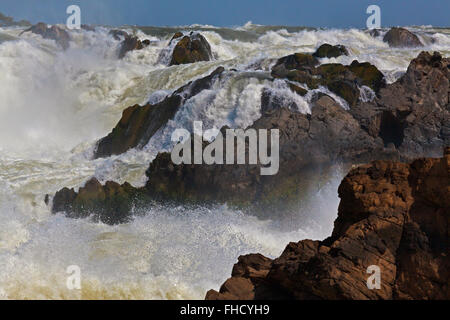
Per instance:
x=110, y=203
x=328, y=51
x=56, y=33
x=191, y=48
x=394, y=216
x=139, y=123
x=401, y=37
x=412, y=114
x=6, y=21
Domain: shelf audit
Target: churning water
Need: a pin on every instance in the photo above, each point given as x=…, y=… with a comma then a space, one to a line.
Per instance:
x=54, y=106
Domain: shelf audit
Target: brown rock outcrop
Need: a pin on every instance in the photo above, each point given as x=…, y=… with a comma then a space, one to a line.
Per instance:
x=412, y=115
x=392, y=215
x=191, y=48
x=401, y=37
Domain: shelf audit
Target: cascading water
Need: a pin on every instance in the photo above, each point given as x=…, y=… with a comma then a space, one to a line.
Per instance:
x=54, y=106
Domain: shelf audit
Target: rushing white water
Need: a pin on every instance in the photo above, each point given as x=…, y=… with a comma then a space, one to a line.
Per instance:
x=55, y=104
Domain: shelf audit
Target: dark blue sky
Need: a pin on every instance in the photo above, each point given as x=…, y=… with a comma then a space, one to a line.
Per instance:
x=315, y=13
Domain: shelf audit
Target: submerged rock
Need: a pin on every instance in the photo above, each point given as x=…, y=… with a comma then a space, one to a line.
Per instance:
x=56, y=33
x=392, y=215
x=328, y=51
x=191, y=48
x=139, y=123
x=401, y=37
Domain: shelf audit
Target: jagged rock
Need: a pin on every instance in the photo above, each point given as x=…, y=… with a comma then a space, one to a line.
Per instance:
x=296, y=61
x=56, y=33
x=400, y=37
x=328, y=51
x=340, y=79
x=190, y=49
x=129, y=42
x=111, y=203
x=413, y=113
x=407, y=120
x=139, y=123
x=392, y=215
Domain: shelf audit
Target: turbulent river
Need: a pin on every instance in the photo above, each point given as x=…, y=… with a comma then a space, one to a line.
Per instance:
x=54, y=106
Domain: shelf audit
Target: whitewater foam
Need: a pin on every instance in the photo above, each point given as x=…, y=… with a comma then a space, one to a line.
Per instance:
x=54, y=106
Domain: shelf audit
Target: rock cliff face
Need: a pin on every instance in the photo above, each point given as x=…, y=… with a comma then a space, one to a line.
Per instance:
x=412, y=114
x=392, y=215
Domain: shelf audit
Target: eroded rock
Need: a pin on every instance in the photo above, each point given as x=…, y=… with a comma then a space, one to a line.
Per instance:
x=191, y=48
x=328, y=51
x=401, y=37
x=139, y=123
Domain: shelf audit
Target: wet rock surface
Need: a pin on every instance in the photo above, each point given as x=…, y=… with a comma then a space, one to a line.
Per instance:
x=190, y=48
x=412, y=114
x=340, y=79
x=139, y=123
x=401, y=37
x=129, y=42
x=392, y=215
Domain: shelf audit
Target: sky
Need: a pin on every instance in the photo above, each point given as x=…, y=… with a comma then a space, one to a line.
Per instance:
x=313, y=13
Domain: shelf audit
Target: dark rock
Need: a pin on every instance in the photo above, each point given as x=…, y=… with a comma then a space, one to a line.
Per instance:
x=374, y=32
x=340, y=79
x=306, y=142
x=6, y=21
x=400, y=37
x=328, y=51
x=297, y=61
x=176, y=36
x=131, y=43
x=392, y=215
x=56, y=33
x=414, y=112
x=407, y=120
x=111, y=203
x=119, y=34
x=190, y=49
x=139, y=123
